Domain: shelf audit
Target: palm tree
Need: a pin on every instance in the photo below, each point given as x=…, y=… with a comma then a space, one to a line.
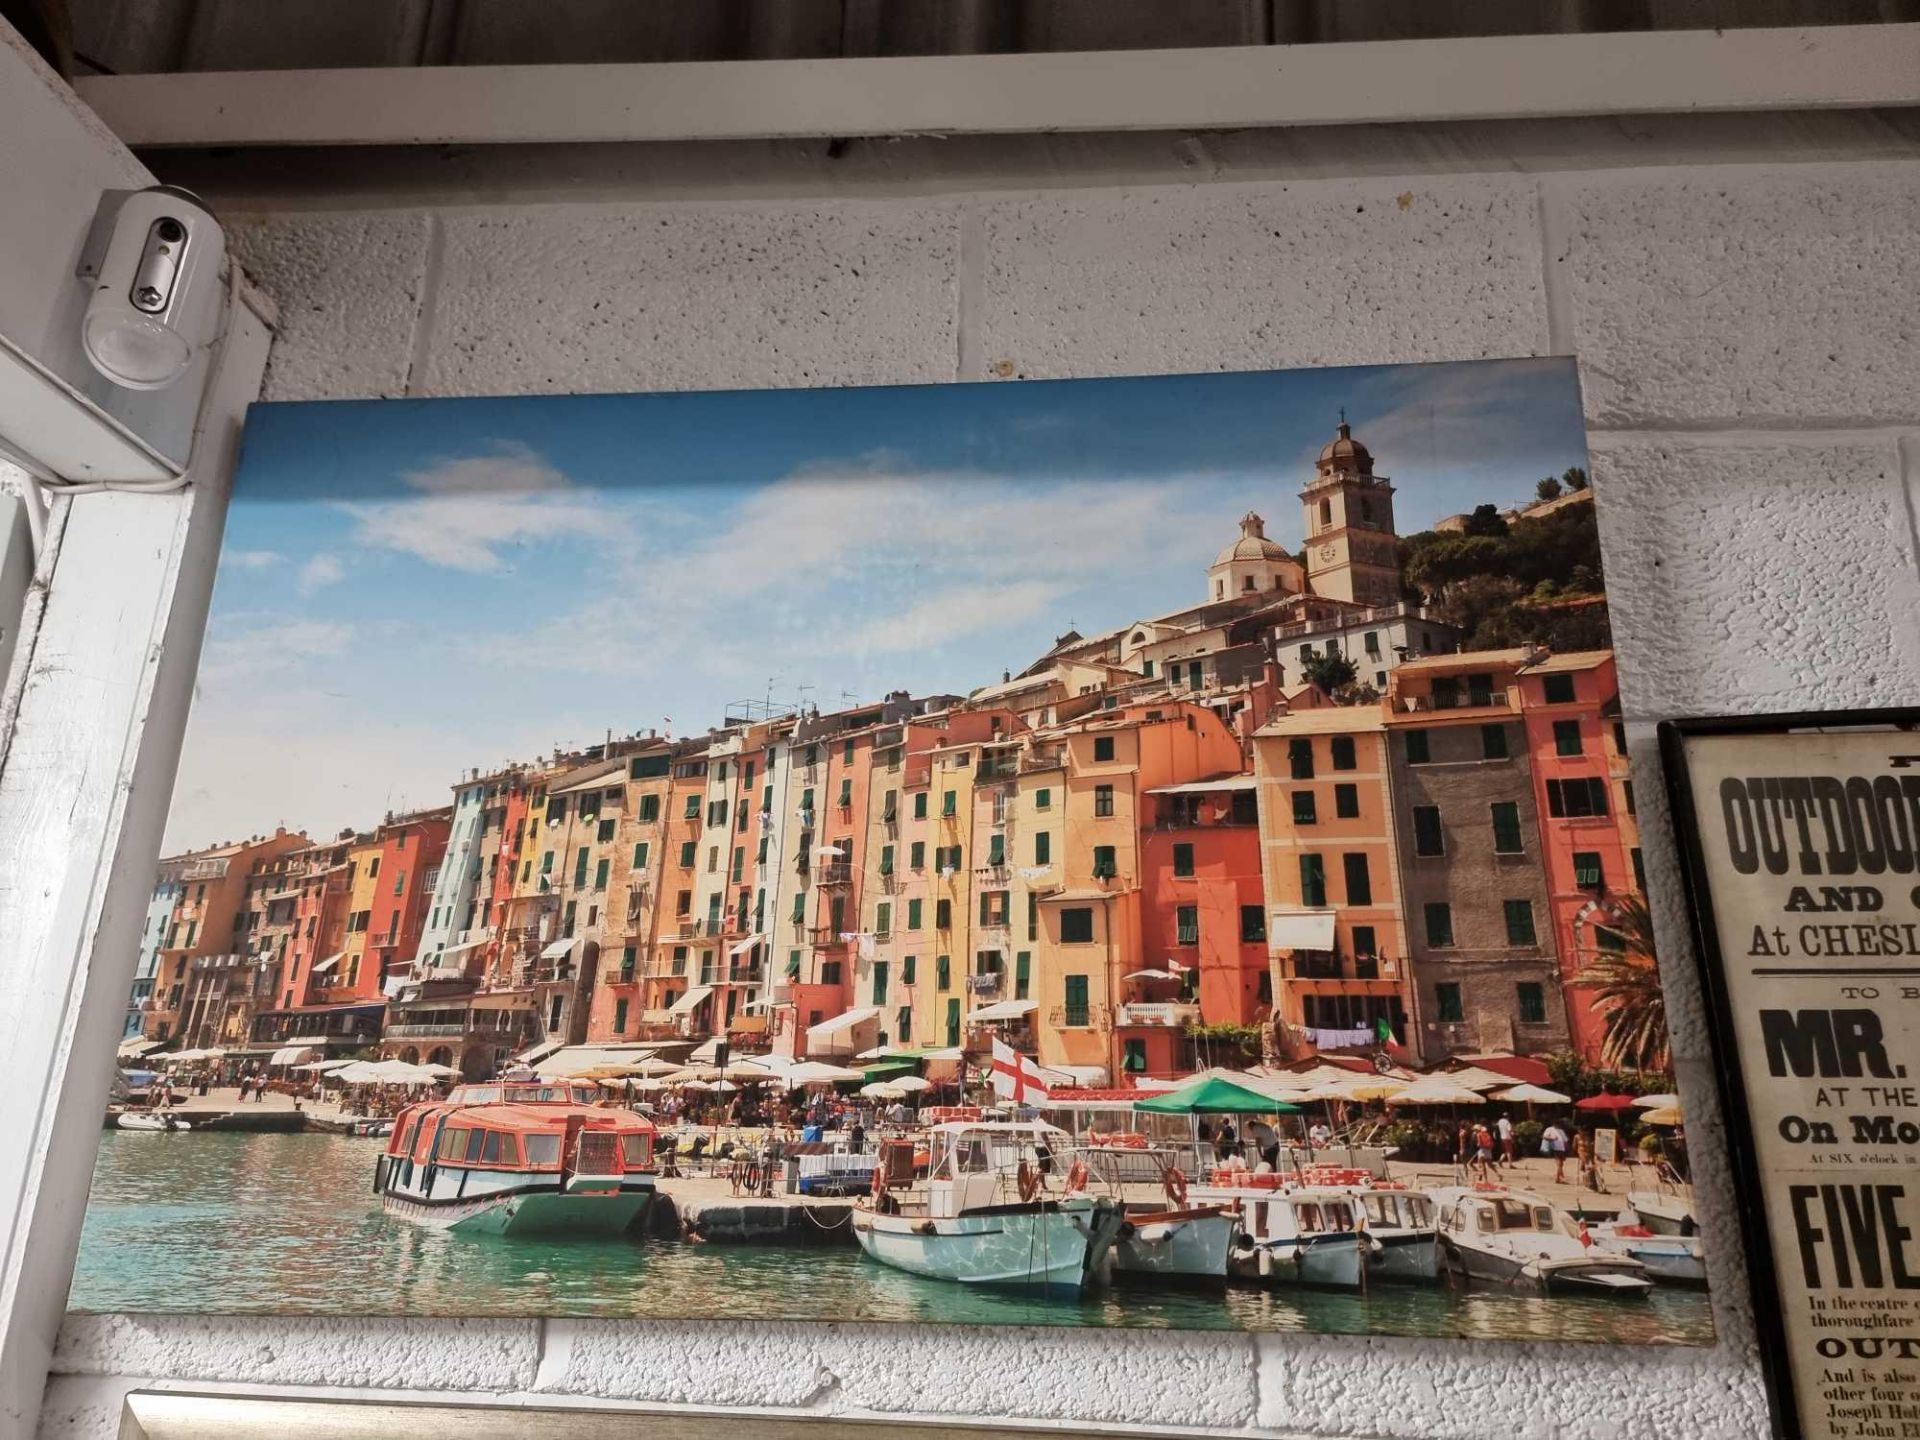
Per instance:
x=1625, y=984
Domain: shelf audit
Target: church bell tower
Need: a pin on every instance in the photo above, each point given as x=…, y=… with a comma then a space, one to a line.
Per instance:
x=1353, y=552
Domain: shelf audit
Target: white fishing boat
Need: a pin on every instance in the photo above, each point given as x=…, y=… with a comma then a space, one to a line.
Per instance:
x=150, y=1120
x=1511, y=1237
x=518, y=1159
x=1402, y=1231
x=1295, y=1235
x=991, y=1211
x=1192, y=1243
x=1670, y=1259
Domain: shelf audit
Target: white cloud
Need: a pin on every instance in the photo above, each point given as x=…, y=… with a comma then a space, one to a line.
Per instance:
x=258, y=651
x=948, y=615
x=251, y=559
x=474, y=508
x=321, y=571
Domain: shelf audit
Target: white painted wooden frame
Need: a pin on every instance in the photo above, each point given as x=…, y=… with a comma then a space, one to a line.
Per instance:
x=1498, y=77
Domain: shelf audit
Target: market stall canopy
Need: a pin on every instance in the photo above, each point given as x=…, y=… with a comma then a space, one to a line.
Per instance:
x=844, y=1022
x=138, y=1046
x=1473, y=1077
x=1292, y=927
x=1665, y=1115
x=1605, y=1102
x=292, y=1055
x=579, y=1059
x=1532, y=1095
x=1214, y=1096
x=813, y=1072
x=907, y=1084
x=1434, y=1090
x=707, y=1052
x=1003, y=1010
x=1656, y=1102
x=881, y=1090
x=1357, y=1087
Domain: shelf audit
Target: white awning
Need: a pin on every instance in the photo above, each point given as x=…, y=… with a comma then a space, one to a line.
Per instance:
x=746, y=945
x=1297, y=929
x=685, y=1004
x=540, y=1051
x=320, y=967
x=707, y=1053
x=293, y=1055
x=1206, y=787
x=1151, y=975
x=137, y=1046
x=465, y=945
x=1004, y=1010
x=834, y=852
x=843, y=1022
x=557, y=948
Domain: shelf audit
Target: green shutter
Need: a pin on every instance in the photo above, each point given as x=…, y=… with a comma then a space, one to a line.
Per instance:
x=997, y=850
x=913, y=914
x=1022, y=973
x=1313, y=880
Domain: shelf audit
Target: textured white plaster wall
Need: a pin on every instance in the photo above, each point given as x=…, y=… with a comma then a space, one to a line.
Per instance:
x=1746, y=340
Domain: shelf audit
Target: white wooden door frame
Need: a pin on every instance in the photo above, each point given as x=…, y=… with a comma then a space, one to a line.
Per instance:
x=90, y=729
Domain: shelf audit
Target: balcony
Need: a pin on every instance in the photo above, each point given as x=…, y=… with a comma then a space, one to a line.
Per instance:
x=993, y=876
x=839, y=873
x=1043, y=759
x=1165, y=1015
x=986, y=983
x=825, y=937
x=1090, y=1017
x=1429, y=704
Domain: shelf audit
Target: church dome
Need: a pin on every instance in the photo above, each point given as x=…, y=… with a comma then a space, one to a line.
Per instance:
x=1343, y=447
x=1252, y=544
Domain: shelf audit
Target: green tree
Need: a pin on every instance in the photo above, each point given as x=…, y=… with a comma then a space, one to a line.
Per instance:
x=1548, y=489
x=1574, y=478
x=1329, y=672
x=1626, y=991
x=1486, y=520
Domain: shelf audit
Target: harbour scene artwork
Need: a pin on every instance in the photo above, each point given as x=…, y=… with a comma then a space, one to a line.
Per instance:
x=1139, y=852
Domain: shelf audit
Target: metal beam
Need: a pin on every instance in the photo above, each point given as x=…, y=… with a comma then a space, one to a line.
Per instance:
x=1500, y=78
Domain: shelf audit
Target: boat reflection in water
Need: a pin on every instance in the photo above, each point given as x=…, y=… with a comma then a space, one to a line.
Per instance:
x=519, y=1159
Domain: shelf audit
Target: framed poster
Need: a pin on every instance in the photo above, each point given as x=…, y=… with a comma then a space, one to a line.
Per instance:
x=940, y=853
x=1801, y=841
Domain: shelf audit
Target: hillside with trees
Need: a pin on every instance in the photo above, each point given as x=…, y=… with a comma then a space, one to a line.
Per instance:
x=1534, y=580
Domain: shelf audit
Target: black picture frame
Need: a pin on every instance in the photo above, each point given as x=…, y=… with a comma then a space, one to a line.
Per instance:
x=1758, y=1249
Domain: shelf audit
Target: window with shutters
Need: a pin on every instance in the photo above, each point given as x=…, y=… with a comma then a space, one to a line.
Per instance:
x=950, y=802
x=1303, y=807
x=1359, y=881
x=886, y=859
x=1078, y=1012
x=693, y=807
x=1578, y=798
x=1531, y=998
x=1493, y=742
x=1587, y=873
x=1104, y=865
x=1043, y=847
x=907, y=966
x=1447, y=1002
x=1300, y=758
x=943, y=972
x=1342, y=748
x=883, y=918
x=1022, y=973
x=913, y=914
x=1313, y=880
x=580, y=868
x=1253, y=926
x=1076, y=925
x=1186, y=921
x=953, y=1023
x=846, y=793
x=1428, y=839
x=1103, y=800
x=640, y=855
x=1418, y=750
x=1506, y=829
x=1566, y=737
x=1103, y=747
x=917, y=855
x=600, y=874
x=1559, y=689
x=1520, y=929
x=1346, y=802
x=997, y=851
x=920, y=806
x=1183, y=859
x=943, y=914
x=800, y=908
x=1439, y=924
x=903, y=1023
x=1043, y=799
x=879, y=982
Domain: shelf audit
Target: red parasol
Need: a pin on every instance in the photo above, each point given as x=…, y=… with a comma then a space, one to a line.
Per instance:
x=1605, y=1102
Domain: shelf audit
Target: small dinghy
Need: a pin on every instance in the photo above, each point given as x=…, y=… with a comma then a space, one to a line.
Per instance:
x=147, y=1120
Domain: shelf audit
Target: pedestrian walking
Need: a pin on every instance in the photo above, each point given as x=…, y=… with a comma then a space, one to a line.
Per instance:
x=1553, y=1143
x=1505, y=1126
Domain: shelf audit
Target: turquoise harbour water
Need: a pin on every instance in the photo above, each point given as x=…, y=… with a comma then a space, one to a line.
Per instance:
x=273, y=1224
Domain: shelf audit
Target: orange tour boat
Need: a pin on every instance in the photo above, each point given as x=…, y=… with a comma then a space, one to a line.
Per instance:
x=518, y=1159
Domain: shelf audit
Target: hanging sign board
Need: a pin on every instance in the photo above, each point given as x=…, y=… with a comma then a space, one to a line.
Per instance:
x=1801, y=842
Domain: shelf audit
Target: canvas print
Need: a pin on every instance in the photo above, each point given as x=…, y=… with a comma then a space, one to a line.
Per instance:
x=1152, y=851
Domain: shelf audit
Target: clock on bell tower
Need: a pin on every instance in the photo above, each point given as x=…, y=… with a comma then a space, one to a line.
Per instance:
x=1353, y=551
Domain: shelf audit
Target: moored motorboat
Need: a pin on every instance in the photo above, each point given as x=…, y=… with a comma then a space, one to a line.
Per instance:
x=1509, y=1237
x=148, y=1120
x=1670, y=1259
x=1192, y=1243
x=517, y=1159
x=990, y=1212
x=1300, y=1235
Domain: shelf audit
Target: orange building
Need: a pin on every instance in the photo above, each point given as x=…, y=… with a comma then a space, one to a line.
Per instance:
x=1584, y=795
x=1336, y=931
x=412, y=849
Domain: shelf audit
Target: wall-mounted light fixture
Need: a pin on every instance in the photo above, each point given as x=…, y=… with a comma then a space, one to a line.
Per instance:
x=154, y=261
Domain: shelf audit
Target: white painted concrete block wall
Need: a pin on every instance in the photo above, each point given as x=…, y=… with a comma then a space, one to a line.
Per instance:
x=1747, y=343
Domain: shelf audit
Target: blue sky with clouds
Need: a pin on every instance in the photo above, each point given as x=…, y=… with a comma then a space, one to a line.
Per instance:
x=410, y=588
